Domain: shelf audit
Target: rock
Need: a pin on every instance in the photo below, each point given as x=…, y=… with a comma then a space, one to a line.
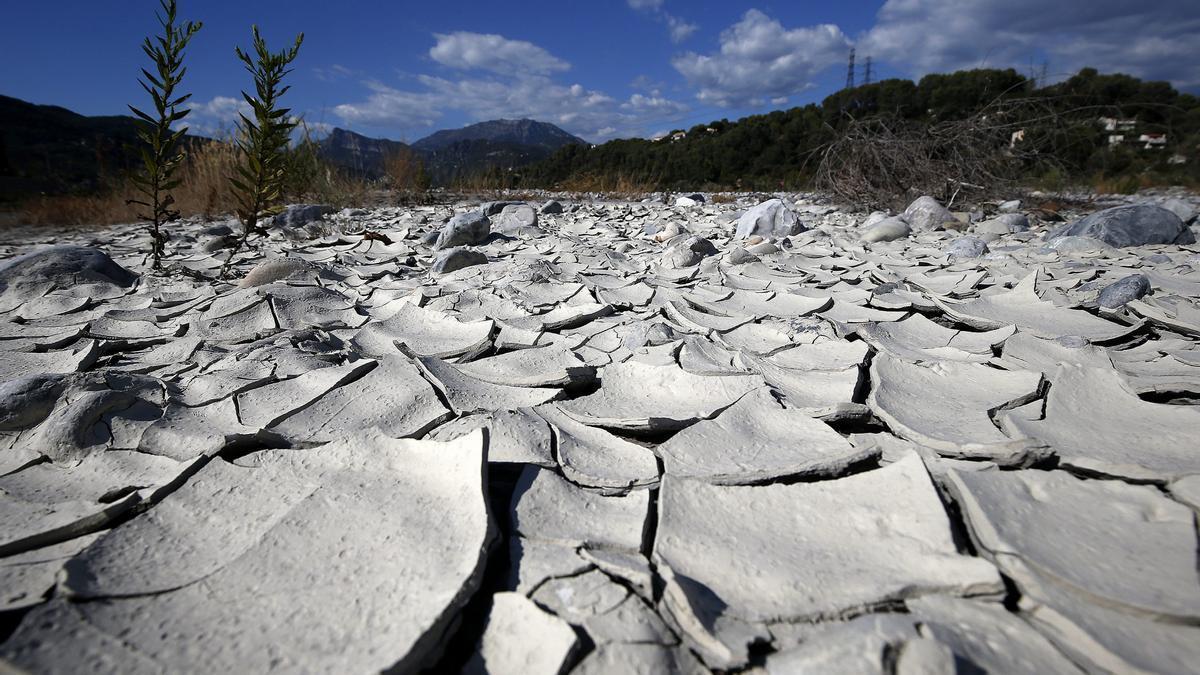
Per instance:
x=219, y=244
x=217, y=230
x=1007, y=223
x=62, y=266
x=520, y=638
x=967, y=247
x=455, y=259
x=1009, y=206
x=888, y=229
x=1185, y=211
x=925, y=213
x=1116, y=294
x=515, y=219
x=688, y=252
x=771, y=219
x=1132, y=225
x=684, y=202
x=740, y=256
x=1077, y=245
x=490, y=209
x=280, y=269
x=552, y=207
x=465, y=229
x=299, y=215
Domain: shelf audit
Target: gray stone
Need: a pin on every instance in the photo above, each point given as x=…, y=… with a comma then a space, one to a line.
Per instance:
x=299, y=215
x=552, y=207
x=688, y=252
x=926, y=213
x=62, y=266
x=1116, y=294
x=1131, y=225
x=967, y=248
x=888, y=229
x=465, y=229
x=515, y=219
x=455, y=259
x=772, y=219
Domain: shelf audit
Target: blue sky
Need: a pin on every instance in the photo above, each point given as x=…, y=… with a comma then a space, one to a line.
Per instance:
x=600, y=69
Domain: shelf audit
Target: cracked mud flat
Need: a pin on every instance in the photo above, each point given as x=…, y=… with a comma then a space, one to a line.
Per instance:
x=606, y=437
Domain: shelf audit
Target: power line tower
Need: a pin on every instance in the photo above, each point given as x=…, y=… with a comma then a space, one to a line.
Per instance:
x=1041, y=83
x=850, y=71
x=867, y=72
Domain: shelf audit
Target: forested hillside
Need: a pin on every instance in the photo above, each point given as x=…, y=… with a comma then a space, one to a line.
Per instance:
x=781, y=149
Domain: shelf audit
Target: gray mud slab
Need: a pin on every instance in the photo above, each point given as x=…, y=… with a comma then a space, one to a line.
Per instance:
x=347, y=562
x=728, y=573
x=945, y=405
x=756, y=440
x=647, y=397
x=1096, y=424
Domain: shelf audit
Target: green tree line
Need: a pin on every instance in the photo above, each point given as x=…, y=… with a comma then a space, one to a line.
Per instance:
x=776, y=150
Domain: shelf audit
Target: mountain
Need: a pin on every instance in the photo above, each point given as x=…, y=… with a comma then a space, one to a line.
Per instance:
x=48, y=149
x=529, y=133
x=453, y=154
x=358, y=154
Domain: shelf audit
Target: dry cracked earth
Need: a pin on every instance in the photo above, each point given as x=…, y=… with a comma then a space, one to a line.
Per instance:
x=607, y=437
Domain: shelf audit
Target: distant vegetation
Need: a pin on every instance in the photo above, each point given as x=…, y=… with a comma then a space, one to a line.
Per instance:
x=968, y=133
x=1064, y=140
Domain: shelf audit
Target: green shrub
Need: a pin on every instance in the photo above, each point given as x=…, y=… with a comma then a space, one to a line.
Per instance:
x=161, y=153
x=262, y=141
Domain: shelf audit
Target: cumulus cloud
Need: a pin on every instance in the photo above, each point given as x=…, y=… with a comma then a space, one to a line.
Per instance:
x=678, y=28
x=216, y=117
x=387, y=106
x=507, y=93
x=761, y=60
x=1152, y=38
x=495, y=53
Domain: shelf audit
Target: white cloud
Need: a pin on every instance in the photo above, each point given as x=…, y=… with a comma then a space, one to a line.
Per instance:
x=477, y=51
x=217, y=117
x=760, y=60
x=332, y=73
x=1152, y=38
x=387, y=106
x=680, y=30
x=589, y=113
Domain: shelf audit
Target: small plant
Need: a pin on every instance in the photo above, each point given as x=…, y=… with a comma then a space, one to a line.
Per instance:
x=262, y=141
x=161, y=154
